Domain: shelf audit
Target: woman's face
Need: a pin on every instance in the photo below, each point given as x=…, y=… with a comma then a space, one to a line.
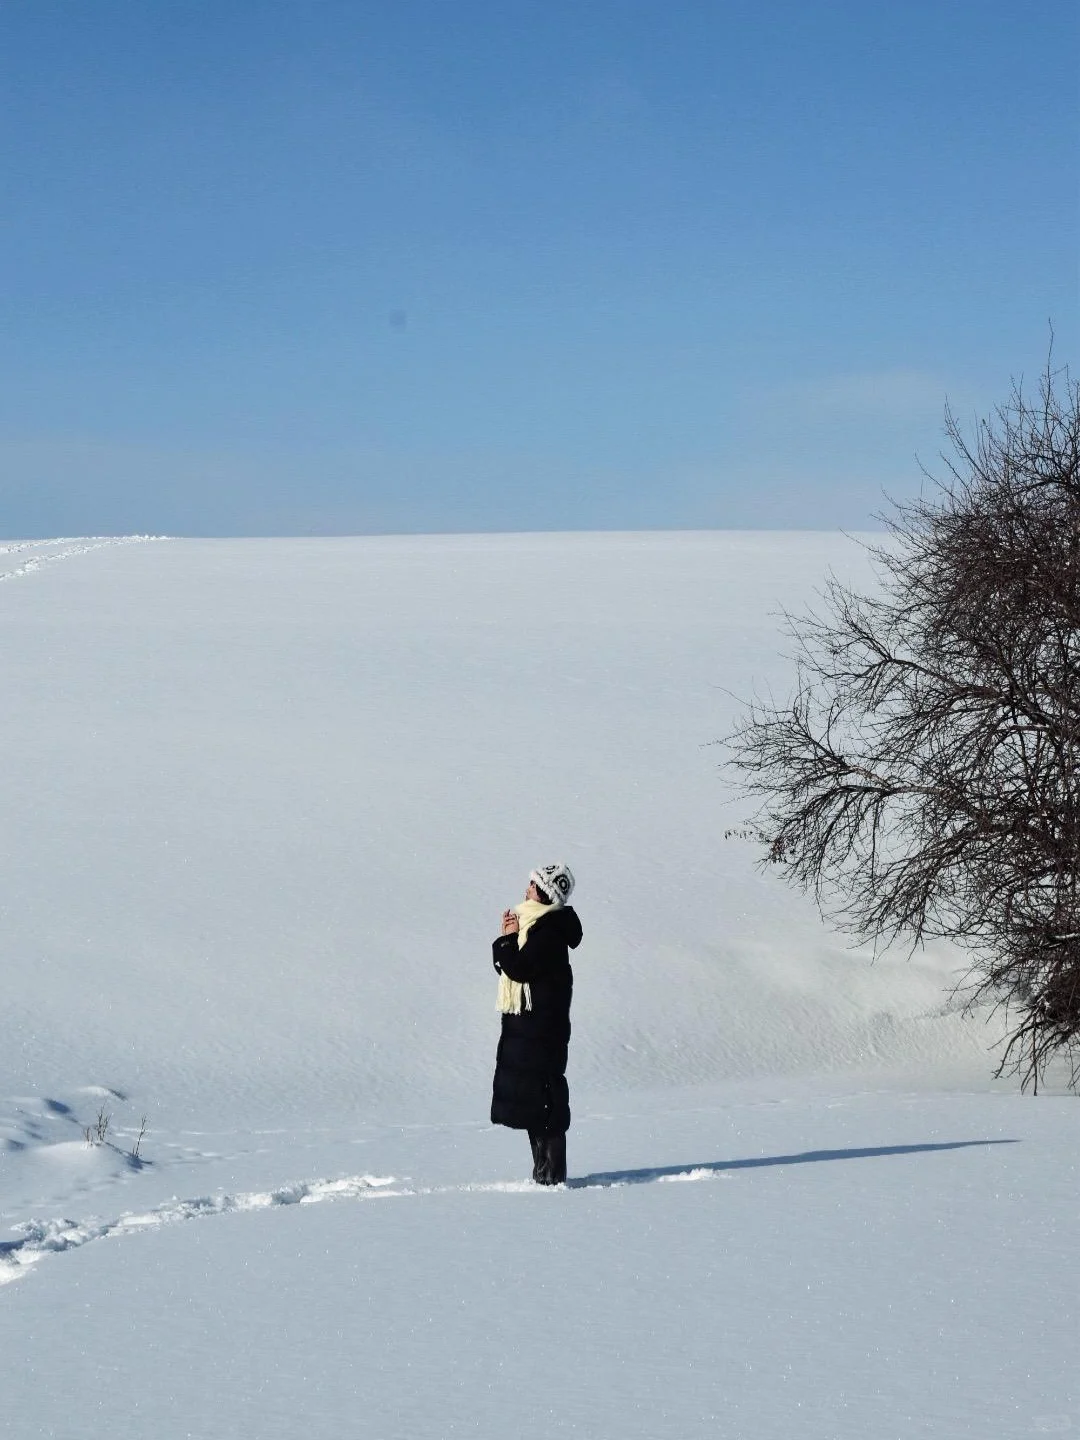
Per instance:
x=532, y=893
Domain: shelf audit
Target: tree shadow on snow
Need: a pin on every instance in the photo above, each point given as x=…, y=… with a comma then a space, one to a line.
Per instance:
x=715, y=1167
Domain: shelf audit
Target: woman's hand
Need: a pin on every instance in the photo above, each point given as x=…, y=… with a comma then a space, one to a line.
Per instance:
x=510, y=924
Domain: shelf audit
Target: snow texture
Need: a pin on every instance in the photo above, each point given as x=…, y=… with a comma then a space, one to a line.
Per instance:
x=264, y=804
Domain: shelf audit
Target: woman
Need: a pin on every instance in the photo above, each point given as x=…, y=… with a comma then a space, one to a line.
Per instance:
x=535, y=988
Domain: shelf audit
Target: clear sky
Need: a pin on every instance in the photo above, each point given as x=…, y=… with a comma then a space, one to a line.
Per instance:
x=318, y=266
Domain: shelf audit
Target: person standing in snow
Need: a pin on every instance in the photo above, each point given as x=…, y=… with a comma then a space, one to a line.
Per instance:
x=536, y=984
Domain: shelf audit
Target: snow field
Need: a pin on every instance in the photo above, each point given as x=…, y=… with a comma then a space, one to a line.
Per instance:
x=272, y=797
x=833, y=1293
x=264, y=804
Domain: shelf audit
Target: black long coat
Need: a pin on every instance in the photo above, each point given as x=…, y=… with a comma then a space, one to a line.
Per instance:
x=530, y=1091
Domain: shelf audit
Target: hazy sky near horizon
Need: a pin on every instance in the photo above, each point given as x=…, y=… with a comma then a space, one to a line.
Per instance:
x=277, y=268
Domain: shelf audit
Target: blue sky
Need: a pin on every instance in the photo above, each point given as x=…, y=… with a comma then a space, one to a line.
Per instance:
x=336, y=267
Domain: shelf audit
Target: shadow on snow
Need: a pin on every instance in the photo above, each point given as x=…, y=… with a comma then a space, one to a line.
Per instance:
x=715, y=1167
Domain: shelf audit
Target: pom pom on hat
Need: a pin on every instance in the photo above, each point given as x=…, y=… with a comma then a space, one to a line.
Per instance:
x=555, y=881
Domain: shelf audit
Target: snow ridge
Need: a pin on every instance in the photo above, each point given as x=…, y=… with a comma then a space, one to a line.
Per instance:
x=52, y=1237
x=43, y=555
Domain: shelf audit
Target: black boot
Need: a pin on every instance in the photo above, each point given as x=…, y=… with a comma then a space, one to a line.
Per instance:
x=556, y=1157
x=549, y=1157
x=536, y=1141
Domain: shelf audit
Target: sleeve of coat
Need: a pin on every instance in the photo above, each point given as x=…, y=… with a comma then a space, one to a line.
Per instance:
x=528, y=963
x=504, y=948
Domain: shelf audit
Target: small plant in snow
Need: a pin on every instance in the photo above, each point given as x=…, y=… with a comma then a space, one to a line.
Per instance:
x=96, y=1133
x=139, y=1139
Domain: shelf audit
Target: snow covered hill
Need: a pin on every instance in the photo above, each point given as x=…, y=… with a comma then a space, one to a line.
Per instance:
x=266, y=801
x=263, y=803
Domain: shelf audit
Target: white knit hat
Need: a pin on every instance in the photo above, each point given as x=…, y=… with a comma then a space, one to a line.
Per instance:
x=555, y=881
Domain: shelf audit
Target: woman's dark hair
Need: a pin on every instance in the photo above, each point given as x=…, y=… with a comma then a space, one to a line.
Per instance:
x=542, y=895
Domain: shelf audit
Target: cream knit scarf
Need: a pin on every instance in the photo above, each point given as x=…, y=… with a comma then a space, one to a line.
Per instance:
x=511, y=993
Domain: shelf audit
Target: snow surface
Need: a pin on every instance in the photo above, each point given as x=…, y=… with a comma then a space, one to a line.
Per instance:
x=264, y=803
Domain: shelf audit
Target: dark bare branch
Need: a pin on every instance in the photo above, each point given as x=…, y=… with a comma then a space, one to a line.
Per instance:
x=924, y=779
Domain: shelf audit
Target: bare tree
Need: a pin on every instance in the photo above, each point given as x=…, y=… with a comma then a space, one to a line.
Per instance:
x=923, y=780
